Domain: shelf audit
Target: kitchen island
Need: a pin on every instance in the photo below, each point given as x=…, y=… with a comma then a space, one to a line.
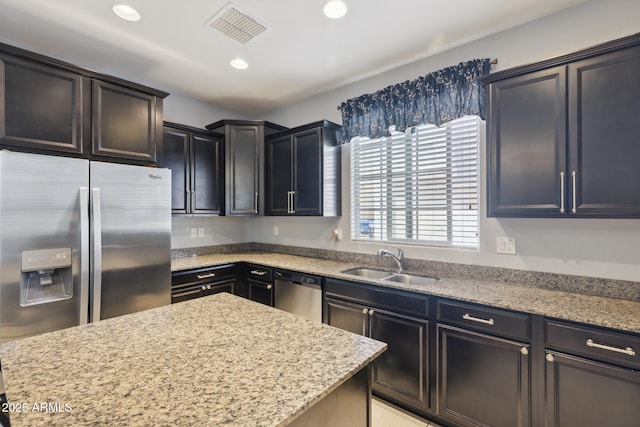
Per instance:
x=218, y=360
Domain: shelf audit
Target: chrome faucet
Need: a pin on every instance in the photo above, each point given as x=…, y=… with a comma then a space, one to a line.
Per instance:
x=397, y=258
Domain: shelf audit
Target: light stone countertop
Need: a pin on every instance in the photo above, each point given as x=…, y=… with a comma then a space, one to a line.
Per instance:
x=600, y=311
x=217, y=360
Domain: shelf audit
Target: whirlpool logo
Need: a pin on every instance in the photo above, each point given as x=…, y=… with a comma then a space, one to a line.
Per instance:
x=152, y=176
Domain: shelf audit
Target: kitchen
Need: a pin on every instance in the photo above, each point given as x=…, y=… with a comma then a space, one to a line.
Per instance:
x=600, y=248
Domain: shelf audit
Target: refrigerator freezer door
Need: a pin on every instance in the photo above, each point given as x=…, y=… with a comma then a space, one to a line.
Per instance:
x=40, y=220
x=131, y=238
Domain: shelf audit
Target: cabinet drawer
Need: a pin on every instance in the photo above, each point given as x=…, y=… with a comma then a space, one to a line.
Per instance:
x=259, y=273
x=479, y=318
x=593, y=343
x=375, y=296
x=203, y=275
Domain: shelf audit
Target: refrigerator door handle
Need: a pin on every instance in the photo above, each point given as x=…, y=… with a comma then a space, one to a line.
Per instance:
x=84, y=255
x=97, y=253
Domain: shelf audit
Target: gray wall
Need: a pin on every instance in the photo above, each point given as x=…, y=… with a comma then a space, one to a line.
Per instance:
x=600, y=248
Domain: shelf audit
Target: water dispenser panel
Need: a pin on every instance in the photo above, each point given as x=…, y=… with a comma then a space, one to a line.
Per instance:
x=46, y=259
x=46, y=276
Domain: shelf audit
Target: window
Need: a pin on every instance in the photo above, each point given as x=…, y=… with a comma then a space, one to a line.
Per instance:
x=420, y=186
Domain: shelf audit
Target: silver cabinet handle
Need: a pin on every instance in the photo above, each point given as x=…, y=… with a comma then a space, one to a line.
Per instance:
x=97, y=253
x=208, y=287
x=628, y=351
x=269, y=287
x=371, y=312
x=258, y=272
x=365, y=311
x=256, y=202
x=84, y=255
x=550, y=357
x=562, y=192
x=524, y=351
x=203, y=287
x=573, y=184
x=288, y=202
x=293, y=202
x=469, y=317
x=206, y=276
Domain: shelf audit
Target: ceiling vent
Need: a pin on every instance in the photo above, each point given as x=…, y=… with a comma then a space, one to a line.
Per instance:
x=236, y=24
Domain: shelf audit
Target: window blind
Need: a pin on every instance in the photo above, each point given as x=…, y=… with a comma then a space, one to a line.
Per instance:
x=420, y=186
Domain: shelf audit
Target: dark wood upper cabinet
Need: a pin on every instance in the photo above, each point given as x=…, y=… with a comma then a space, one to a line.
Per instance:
x=40, y=106
x=124, y=123
x=303, y=171
x=604, y=133
x=244, y=164
x=562, y=135
x=53, y=107
x=196, y=160
x=527, y=143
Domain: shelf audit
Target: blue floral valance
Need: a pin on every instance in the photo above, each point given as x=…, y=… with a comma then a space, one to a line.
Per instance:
x=436, y=98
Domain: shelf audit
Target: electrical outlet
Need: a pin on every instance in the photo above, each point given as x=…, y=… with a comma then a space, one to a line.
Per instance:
x=276, y=230
x=506, y=245
x=194, y=232
x=200, y=231
x=336, y=234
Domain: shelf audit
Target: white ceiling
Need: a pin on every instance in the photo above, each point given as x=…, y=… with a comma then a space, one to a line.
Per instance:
x=302, y=53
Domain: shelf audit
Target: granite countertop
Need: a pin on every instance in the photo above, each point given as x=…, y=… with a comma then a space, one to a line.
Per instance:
x=600, y=311
x=217, y=360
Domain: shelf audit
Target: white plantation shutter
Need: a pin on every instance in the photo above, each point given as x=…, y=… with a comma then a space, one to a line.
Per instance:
x=420, y=186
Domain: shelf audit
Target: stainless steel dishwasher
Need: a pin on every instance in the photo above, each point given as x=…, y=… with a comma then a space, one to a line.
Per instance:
x=298, y=293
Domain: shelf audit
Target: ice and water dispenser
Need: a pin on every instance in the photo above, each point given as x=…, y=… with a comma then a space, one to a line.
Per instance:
x=46, y=276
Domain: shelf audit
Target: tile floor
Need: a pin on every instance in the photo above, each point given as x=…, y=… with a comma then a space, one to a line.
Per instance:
x=385, y=415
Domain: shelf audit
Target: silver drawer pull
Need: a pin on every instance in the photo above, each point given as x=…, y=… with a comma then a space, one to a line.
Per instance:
x=628, y=351
x=206, y=276
x=258, y=272
x=467, y=316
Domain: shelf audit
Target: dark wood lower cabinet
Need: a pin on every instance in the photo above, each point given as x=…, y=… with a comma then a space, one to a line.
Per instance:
x=584, y=393
x=260, y=292
x=400, y=374
x=482, y=380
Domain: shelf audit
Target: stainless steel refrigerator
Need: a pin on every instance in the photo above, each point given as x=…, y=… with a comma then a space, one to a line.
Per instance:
x=80, y=241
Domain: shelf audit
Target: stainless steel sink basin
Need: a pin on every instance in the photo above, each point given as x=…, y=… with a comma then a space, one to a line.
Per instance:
x=410, y=279
x=370, y=273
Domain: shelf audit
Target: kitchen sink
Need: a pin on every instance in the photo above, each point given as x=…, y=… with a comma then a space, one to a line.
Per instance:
x=372, y=273
x=410, y=279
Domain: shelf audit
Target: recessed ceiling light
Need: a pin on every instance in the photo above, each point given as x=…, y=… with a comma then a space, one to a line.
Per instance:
x=239, y=64
x=335, y=9
x=126, y=12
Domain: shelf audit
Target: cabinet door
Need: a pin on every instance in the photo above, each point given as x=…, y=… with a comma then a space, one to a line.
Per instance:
x=243, y=169
x=482, y=380
x=175, y=156
x=261, y=292
x=401, y=372
x=40, y=107
x=279, y=175
x=124, y=123
x=350, y=317
x=527, y=145
x=307, y=187
x=206, y=174
x=583, y=393
x=604, y=133
x=216, y=288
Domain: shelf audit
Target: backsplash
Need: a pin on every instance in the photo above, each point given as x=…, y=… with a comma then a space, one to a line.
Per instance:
x=561, y=282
